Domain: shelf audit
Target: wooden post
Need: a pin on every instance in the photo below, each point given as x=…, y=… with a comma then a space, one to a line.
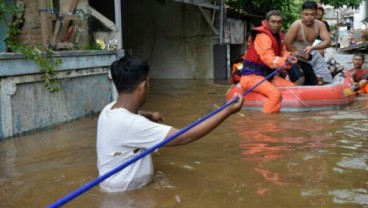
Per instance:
x=65, y=23
x=56, y=33
x=45, y=26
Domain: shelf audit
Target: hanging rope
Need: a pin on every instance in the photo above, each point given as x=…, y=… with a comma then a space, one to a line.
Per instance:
x=298, y=98
x=101, y=178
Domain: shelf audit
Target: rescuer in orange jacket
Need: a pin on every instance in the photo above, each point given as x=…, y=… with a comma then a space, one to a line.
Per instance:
x=266, y=52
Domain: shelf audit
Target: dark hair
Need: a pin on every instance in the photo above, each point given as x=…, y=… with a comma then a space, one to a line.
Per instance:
x=309, y=5
x=128, y=72
x=272, y=13
x=359, y=54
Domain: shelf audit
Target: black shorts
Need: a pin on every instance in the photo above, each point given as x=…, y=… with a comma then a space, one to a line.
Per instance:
x=295, y=72
x=301, y=69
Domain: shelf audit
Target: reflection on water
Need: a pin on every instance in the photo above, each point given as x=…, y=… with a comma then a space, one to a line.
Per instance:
x=357, y=196
x=309, y=159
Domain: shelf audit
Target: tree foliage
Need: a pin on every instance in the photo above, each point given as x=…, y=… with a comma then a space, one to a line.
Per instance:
x=290, y=8
x=261, y=7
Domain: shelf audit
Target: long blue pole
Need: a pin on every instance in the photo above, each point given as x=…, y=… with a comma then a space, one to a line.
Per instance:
x=101, y=178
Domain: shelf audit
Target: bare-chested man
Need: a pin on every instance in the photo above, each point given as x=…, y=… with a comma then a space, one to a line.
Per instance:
x=299, y=40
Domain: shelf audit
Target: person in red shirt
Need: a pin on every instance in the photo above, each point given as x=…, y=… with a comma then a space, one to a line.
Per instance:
x=320, y=13
x=266, y=52
x=360, y=75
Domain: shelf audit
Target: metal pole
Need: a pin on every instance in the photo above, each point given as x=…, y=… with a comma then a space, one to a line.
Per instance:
x=118, y=23
x=221, y=30
x=338, y=41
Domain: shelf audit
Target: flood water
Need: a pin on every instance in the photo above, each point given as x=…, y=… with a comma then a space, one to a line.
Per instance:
x=309, y=159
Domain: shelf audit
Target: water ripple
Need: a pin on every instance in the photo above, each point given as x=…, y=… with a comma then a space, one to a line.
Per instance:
x=358, y=162
x=356, y=196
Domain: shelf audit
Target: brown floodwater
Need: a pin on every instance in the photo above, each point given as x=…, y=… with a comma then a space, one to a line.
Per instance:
x=309, y=159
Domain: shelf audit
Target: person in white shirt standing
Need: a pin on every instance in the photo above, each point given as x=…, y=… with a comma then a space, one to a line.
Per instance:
x=123, y=131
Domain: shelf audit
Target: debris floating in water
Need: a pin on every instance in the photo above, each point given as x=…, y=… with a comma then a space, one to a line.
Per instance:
x=177, y=198
x=188, y=167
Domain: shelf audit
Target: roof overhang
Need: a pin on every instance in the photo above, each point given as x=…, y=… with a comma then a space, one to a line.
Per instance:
x=209, y=4
x=216, y=6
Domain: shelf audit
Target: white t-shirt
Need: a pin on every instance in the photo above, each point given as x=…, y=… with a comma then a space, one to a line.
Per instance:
x=122, y=135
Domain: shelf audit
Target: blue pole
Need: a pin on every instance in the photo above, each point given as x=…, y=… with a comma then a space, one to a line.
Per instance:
x=98, y=180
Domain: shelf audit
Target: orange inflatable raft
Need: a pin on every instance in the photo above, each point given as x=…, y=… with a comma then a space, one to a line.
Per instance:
x=304, y=98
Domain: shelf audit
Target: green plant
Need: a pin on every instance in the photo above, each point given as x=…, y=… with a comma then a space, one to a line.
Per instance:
x=38, y=54
x=290, y=8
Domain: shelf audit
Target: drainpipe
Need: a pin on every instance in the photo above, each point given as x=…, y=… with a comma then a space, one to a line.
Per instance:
x=338, y=41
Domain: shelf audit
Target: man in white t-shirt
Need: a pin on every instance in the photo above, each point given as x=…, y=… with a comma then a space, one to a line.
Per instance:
x=123, y=131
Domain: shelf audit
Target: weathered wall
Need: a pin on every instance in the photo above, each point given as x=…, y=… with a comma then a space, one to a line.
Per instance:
x=26, y=105
x=174, y=38
x=31, y=31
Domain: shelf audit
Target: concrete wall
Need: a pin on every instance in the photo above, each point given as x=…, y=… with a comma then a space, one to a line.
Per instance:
x=174, y=38
x=360, y=15
x=27, y=106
